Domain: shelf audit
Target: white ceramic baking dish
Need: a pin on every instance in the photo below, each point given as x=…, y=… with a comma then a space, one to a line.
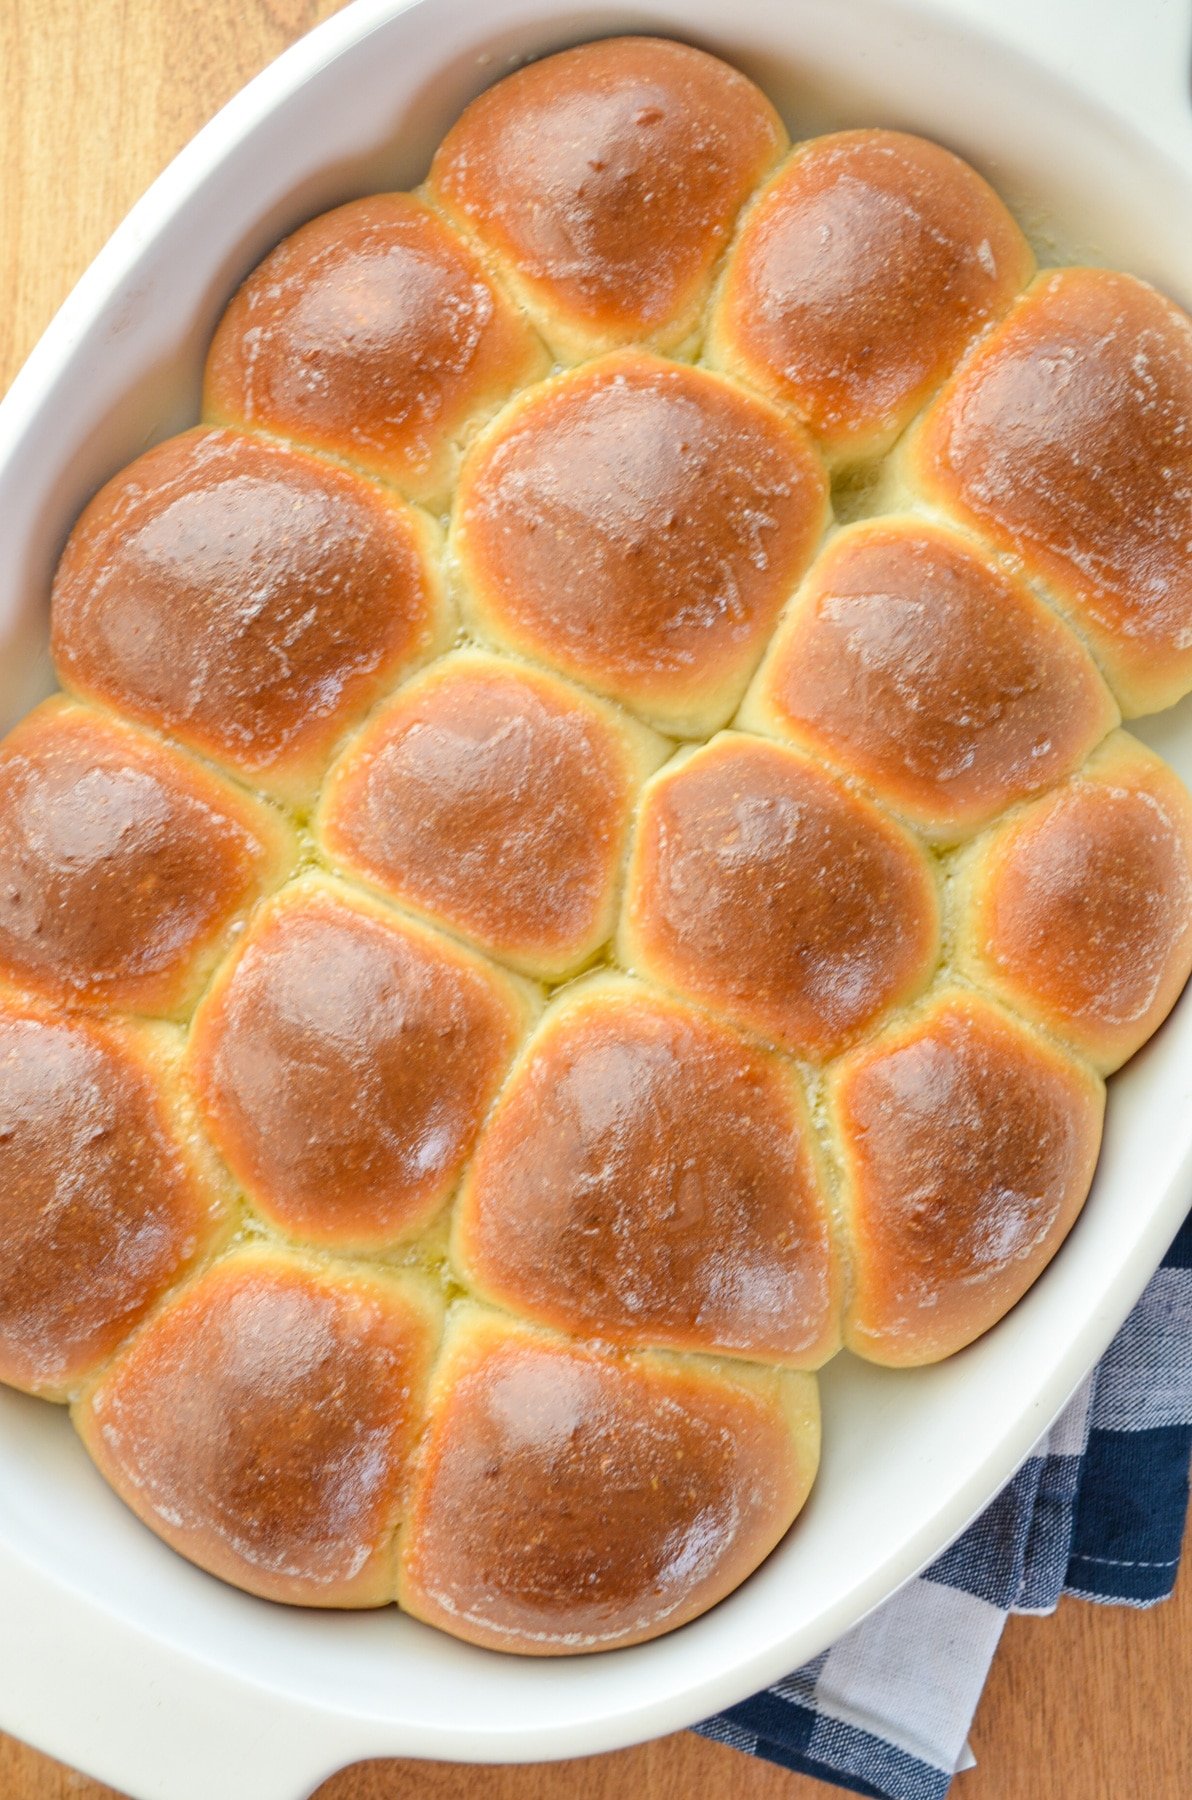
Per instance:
x=115, y=1654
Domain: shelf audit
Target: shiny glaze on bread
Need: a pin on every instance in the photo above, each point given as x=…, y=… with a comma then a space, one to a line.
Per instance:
x=589, y=857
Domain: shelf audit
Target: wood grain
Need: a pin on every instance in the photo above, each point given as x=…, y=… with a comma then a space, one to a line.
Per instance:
x=1091, y=1705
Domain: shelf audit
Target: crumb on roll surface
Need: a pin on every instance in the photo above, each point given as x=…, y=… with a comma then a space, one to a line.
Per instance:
x=567, y=1500
x=605, y=181
x=263, y=1423
x=600, y=1203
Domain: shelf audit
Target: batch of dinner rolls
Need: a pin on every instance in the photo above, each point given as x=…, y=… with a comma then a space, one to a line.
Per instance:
x=530, y=925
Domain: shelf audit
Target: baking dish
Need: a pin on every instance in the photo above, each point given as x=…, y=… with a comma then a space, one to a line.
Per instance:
x=114, y=1654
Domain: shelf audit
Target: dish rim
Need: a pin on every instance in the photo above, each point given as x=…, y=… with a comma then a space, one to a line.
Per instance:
x=21, y=412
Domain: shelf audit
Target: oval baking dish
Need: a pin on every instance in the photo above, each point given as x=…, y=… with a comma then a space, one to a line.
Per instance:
x=192, y=1688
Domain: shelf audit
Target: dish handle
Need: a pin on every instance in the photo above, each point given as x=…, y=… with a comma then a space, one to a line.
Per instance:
x=1134, y=58
x=123, y=1706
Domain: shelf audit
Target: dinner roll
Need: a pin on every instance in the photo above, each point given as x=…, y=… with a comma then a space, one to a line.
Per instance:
x=263, y=1423
x=1066, y=438
x=496, y=798
x=761, y=885
x=600, y=1202
x=605, y=182
x=1078, y=909
x=344, y=1060
x=125, y=867
x=967, y=1144
x=569, y=1500
x=865, y=268
x=107, y=1196
x=373, y=333
x=639, y=525
x=251, y=600
x=914, y=662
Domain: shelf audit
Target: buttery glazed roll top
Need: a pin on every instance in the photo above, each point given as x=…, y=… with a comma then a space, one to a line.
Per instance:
x=1079, y=907
x=344, y=1060
x=914, y=662
x=967, y=1144
x=605, y=181
x=263, y=1423
x=497, y=799
x=639, y=524
x=1067, y=439
x=860, y=276
x=650, y=1177
x=762, y=886
x=251, y=600
x=124, y=866
x=569, y=1500
x=374, y=333
x=105, y=1198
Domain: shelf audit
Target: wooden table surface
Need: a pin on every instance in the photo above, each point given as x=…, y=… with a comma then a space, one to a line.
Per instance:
x=1090, y=1705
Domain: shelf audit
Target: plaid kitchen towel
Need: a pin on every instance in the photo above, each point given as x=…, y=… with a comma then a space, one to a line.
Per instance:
x=1097, y=1510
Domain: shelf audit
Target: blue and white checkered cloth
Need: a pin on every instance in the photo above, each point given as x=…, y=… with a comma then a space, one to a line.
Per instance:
x=1097, y=1510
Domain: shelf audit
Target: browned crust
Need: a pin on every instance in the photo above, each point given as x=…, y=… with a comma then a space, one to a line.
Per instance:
x=968, y=1145
x=606, y=180
x=567, y=1500
x=374, y=333
x=762, y=886
x=600, y=1203
x=263, y=1424
x=123, y=864
x=862, y=273
x=1067, y=440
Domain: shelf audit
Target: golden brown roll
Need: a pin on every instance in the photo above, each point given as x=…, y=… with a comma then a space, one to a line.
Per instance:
x=605, y=181
x=761, y=885
x=107, y=1197
x=250, y=600
x=344, y=1060
x=496, y=798
x=372, y=332
x=1067, y=439
x=914, y=662
x=639, y=525
x=263, y=1423
x=569, y=1500
x=650, y=1177
x=968, y=1144
x=866, y=267
x=1078, y=909
x=124, y=866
